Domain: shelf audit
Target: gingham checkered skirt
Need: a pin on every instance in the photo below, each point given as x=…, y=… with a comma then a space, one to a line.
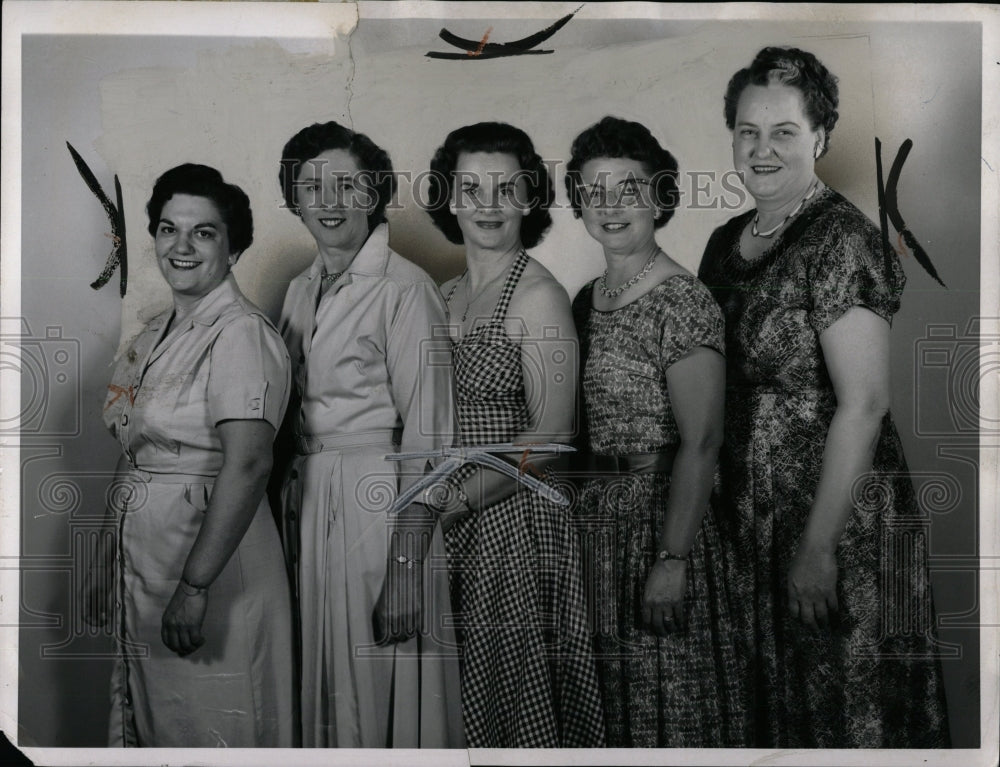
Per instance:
x=528, y=675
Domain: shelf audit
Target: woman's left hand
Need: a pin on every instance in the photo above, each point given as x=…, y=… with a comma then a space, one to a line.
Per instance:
x=812, y=586
x=663, y=599
x=181, y=625
x=856, y=352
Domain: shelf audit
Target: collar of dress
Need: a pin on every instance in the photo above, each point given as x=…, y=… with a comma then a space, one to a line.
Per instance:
x=209, y=307
x=371, y=261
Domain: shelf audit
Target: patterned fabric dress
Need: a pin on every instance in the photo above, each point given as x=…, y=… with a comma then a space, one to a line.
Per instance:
x=528, y=676
x=685, y=690
x=873, y=680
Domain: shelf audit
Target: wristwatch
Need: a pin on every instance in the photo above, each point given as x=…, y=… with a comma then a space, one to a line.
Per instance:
x=664, y=554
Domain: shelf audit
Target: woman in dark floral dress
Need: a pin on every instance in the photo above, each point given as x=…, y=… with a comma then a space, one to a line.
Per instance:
x=825, y=540
x=653, y=390
x=528, y=676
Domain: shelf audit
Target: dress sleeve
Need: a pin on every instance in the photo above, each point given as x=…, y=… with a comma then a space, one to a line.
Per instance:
x=691, y=318
x=249, y=374
x=848, y=270
x=418, y=356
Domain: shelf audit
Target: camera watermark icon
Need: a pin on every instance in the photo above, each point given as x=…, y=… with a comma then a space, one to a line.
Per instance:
x=949, y=366
x=48, y=368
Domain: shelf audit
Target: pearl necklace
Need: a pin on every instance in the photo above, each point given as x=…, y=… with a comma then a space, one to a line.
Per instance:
x=789, y=217
x=602, y=284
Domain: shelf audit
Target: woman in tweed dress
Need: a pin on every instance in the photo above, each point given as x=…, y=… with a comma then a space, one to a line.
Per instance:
x=653, y=377
x=826, y=543
x=528, y=676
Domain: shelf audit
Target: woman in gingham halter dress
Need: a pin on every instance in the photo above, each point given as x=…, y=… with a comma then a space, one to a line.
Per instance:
x=528, y=675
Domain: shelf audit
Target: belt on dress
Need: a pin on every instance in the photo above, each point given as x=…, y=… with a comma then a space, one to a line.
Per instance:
x=656, y=462
x=172, y=478
x=306, y=444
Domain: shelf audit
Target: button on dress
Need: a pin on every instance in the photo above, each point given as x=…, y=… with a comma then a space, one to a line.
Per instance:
x=223, y=361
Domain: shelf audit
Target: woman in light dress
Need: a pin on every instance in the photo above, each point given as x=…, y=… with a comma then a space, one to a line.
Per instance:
x=372, y=375
x=201, y=602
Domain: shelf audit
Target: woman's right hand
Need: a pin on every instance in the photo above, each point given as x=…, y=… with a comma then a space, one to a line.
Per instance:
x=180, y=626
x=663, y=599
x=95, y=596
x=399, y=608
x=812, y=586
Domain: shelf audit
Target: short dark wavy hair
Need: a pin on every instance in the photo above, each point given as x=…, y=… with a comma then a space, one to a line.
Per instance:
x=203, y=181
x=799, y=69
x=614, y=137
x=373, y=163
x=491, y=137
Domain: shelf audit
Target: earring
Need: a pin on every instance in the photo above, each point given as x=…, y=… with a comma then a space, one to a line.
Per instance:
x=817, y=152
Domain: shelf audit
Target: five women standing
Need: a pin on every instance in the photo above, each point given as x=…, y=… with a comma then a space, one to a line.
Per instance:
x=781, y=599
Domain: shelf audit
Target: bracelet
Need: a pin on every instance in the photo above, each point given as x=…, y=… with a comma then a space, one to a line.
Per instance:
x=402, y=559
x=190, y=589
x=665, y=554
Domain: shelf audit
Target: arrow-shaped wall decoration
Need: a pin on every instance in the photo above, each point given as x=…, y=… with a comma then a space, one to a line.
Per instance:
x=118, y=258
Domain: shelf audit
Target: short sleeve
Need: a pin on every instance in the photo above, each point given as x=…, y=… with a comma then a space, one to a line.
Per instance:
x=249, y=377
x=847, y=270
x=693, y=318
